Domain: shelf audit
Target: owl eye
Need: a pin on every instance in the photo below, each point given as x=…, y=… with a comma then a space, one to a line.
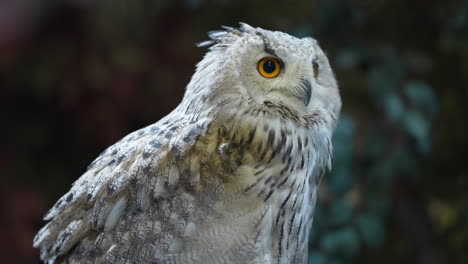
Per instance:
x=316, y=67
x=269, y=67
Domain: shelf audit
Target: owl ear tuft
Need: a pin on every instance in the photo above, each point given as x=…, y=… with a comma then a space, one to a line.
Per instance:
x=246, y=28
x=225, y=36
x=205, y=43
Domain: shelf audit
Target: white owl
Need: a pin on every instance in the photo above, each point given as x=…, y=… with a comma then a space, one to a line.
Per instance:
x=229, y=176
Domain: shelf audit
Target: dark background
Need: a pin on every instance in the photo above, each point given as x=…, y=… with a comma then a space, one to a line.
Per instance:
x=77, y=75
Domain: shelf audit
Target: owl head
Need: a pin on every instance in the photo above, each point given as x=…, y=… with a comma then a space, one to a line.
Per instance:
x=253, y=66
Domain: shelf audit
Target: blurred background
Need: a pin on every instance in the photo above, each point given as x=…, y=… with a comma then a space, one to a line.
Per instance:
x=77, y=75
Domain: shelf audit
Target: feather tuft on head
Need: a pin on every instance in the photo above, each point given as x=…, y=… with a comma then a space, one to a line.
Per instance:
x=223, y=37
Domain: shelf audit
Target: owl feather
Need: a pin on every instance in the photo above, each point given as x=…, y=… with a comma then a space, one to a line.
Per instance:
x=229, y=176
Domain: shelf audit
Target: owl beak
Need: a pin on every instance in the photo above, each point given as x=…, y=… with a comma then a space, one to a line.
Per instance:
x=304, y=91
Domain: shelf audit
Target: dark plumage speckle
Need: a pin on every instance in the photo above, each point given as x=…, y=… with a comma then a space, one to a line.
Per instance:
x=259, y=172
x=273, y=154
x=58, y=203
x=110, y=190
x=146, y=155
x=169, y=134
x=283, y=138
x=251, y=135
x=286, y=200
x=283, y=181
x=193, y=132
x=133, y=181
x=271, y=137
x=279, y=146
x=263, y=154
x=299, y=143
x=287, y=153
x=289, y=161
x=155, y=143
x=119, y=159
x=268, y=195
x=69, y=197
x=259, y=147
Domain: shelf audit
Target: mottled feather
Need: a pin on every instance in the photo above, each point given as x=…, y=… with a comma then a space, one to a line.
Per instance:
x=230, y=176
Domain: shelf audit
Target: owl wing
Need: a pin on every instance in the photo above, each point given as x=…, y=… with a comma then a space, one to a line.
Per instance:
x=96, y=219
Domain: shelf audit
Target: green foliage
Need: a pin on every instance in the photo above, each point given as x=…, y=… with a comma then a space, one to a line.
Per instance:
x=341, y=242
x=371, y=229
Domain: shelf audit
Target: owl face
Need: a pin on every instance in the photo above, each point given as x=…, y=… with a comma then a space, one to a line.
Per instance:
x=274, y=66
x=263, y=65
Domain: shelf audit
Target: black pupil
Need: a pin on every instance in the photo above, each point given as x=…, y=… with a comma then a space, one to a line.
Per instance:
x=269, y=66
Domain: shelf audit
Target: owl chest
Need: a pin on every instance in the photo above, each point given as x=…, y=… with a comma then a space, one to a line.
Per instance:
x=269, y=173
x=290, y=202
x=285, y=178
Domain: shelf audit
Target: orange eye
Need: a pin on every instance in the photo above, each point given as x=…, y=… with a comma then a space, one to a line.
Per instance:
x=269, y=67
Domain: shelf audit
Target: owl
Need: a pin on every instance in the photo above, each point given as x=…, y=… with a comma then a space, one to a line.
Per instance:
x=229, y=176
